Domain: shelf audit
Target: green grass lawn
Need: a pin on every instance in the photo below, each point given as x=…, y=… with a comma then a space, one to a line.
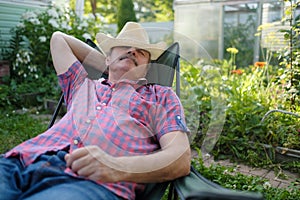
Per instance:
x=16, y=128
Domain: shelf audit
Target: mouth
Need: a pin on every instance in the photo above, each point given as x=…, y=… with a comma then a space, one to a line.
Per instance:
x=129, y=57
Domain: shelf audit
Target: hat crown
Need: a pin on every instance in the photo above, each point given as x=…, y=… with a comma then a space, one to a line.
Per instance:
x=133, y=35
x=134, y=31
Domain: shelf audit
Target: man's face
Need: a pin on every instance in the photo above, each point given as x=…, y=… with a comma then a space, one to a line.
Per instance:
x=125, y=58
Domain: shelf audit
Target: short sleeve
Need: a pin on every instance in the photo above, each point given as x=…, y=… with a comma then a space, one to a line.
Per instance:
x=169, y=112
x=71, y=80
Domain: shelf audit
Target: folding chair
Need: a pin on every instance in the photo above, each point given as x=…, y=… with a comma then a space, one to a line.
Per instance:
x=196, y=187
x=193, y=186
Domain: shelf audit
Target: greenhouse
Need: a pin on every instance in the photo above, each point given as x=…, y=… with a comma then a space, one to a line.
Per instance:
x=207, y=25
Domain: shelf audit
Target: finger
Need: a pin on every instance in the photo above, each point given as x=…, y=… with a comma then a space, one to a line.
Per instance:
x=86, y=171
x=80, y=163
x=75, y=155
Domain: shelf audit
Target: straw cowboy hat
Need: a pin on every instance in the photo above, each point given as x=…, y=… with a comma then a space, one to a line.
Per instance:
x=133, y=35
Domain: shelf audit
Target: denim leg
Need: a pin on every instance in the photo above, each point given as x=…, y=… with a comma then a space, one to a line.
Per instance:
x=46, y=167
x=10, y=178
x=74, y=190
x=46, y=180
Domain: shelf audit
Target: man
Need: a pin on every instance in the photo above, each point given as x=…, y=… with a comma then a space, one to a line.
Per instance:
x=117, y=134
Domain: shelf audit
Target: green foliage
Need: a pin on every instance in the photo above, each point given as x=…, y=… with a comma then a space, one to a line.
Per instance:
x=107, y=8
x=290, y=55
x=244, y=96
x=29, y=54
x=17, y=127
x=287, y=57
x=164, y=10
x=149, y=10
x=203, y=99
x=240, y=37
x=30, y=93
x=125, y=13
x=146, y=10
x=248, y=94
x=229, y=178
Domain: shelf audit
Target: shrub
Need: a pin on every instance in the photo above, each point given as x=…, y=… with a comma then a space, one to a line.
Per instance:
x=237, y=100
x=241, y=37
x=29, y=50
x=125, y=13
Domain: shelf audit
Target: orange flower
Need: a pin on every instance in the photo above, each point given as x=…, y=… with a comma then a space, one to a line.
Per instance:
x=237, y=71
x=260, y=64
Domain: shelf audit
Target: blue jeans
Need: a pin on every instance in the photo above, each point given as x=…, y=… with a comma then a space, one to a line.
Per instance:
x=45, y=179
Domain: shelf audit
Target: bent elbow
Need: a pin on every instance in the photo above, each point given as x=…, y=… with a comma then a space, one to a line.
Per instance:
x=183, y=167
x=186, y=168
x=56, y=38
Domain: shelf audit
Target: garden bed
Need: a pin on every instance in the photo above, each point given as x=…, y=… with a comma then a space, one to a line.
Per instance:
x=4, y=70
x=30, y=99
x=283, y=154
x=50, y=105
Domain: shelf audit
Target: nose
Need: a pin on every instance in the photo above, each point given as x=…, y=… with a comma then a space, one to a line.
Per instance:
x=132, y=51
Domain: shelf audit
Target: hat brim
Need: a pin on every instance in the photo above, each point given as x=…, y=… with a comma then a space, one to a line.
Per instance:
x=105, y=43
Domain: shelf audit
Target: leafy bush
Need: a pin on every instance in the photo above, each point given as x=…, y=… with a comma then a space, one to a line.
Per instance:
x=248, y=94
x=125, y=13
x=241, y=37
x=288, y=57
x=29, y=50
x=243, y=97
x=29, y=93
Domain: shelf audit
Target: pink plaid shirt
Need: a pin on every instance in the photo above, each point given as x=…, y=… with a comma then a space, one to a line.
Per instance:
x=124, y=119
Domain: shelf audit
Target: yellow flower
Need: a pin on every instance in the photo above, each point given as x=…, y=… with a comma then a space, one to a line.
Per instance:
x=232, y=50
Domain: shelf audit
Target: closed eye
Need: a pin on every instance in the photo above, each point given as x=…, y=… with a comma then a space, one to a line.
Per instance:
x=143, y=52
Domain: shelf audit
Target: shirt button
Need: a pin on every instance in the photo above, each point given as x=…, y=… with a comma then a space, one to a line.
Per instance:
x=75, y=141
x=98, y=108
x=88, y=121
x=104, y=104
x=113, y=89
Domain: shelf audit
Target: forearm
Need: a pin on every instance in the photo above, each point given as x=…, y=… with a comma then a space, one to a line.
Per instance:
x=66, y=49
x=171, y=162
x=157, y=167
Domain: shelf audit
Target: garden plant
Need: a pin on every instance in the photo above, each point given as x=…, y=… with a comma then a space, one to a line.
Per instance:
x=248, y=93
x=29, y=54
